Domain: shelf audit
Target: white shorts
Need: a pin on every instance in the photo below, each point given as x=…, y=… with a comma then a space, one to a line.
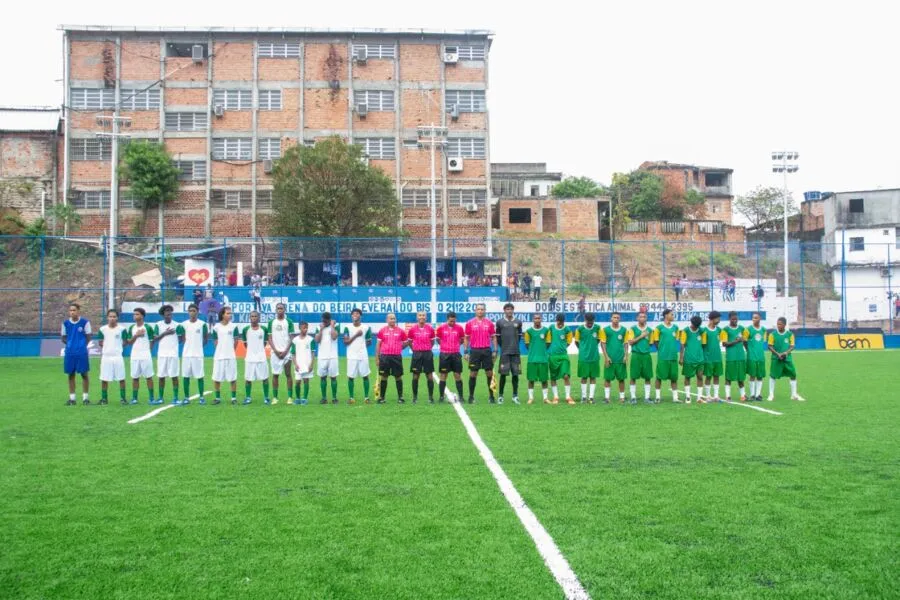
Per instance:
x=192, y=366
x=141, y=367
x=256, y=371
x=225, y=369
x=328, y=367
x=357, y=367
x=298, y=375
x=112, y=368
x=167, y=366
x=278, y=364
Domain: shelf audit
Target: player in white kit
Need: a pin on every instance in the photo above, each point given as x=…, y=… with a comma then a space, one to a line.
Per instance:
x=280, y=329
x=327, y=341
x=167, y=353
x=304, y=355
x=194, y=334
x=255, y=366
x=140, y=337
x=112, y=365
x=225, y=336
x=357, y=338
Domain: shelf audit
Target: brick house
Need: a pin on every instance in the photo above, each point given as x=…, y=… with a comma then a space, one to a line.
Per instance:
x=28, y=145
x=713, y=182
x=227, y=102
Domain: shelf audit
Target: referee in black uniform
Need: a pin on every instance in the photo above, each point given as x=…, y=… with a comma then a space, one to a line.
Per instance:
x=509, y=332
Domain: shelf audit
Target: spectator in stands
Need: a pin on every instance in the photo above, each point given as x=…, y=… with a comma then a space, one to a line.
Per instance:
x=732, y=288
x=198, y=296
x=758, y=292
x=582, y=303
x=232, y=279
x=526, y=285
x=256, y=295
x=537, y=281
x=511, y=284
x=552, y=295
x=896, y=306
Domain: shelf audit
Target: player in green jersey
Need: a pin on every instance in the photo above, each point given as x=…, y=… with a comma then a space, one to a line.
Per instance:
x=712, y=353
x=641, y=363
x=781, y=345
x=537, y=338
x=615, y=350
x=692, y=358
x=587, y=338
x=665, y=336
x=734, y=338
x=757, y=348
x=560, y=365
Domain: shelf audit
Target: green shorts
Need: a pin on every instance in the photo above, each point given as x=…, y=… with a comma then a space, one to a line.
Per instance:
x=615, y=371
x=735, y=370
x=782, y=368
x=688, y=370
x=756, y=369
x=559, y=366
x=713, y=369
x=537, y=372
x=641, y=366
x=588, y=370
x=667, y=370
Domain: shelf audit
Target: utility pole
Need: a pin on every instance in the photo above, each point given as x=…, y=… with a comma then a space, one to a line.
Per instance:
x=114, y=122
x=434, y=136
x=785, y=162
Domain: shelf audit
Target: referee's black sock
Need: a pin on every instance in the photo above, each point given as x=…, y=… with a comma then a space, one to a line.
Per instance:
x=382, y=385
x=502, y=383
x=490, y=381
x=442, y=388
x=459, y=388
x=430, y=388
x=515, y=385
x=472, y=382
x=399, y=382
x=415, y=386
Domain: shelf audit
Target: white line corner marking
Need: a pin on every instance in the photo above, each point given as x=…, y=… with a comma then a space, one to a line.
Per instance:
x=547, y=548
x=151, y=414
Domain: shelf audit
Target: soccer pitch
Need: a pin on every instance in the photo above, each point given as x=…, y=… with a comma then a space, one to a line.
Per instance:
x=389, y=501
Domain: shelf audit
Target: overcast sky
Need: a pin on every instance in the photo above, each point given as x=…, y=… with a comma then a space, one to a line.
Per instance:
x=595, y=88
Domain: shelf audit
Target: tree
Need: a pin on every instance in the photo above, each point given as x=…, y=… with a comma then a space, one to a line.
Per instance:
x=149, y=170
x=577, y=187
x=63, y=215
x=764, y=208
x=328, y=191
x=639, y=192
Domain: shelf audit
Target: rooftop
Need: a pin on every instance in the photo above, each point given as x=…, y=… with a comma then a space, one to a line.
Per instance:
x=664, y=164
x=480, y=33
x=29, y=118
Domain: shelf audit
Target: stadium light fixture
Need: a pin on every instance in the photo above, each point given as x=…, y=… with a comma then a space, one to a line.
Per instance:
x=784, y=162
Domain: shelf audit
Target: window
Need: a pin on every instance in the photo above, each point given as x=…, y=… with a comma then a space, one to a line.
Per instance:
x=415, y=198
x=269, y=148
x=471, y=52
x=191, y=170
x=127, y=200
x=91, y=149
x=857, y=205
x=535, y=190
x=466, y=147
x=186, y=121
x=269, y=99
x=263, y=199
x=375, y=100
x=230, y=199
x=185, y=49
x=375, y=50
x=140, y=99
x=466, y=100
x=379, y=148
x=233, y=99
x=93, y=99
x=857, y=244
x=232, y=148
x=506, y=188
x=279, y=49
x=464, y=197
x=91, y=200
x=520, y=215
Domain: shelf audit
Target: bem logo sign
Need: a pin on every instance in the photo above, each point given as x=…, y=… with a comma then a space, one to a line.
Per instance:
x=858, y=341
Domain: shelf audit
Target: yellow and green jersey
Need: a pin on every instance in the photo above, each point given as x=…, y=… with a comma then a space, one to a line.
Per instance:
x=735, y=353
x=613, y=340
x=757, y=344
x=693, y=342
x=588, y=343
x=712, y=349
x=560, y=340
x=666, y=340
x=782, y=342
x=537, y=340
x=643, y=346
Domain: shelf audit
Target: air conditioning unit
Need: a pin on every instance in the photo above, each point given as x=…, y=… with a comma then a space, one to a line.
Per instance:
x=451, y=55
x=453, y=109
x=455, y=164
x=219, y=110
x=885, y=272
x=361, y=55
x=362, y=110
x=472, y=207
x=268, y=164
x=197, y=53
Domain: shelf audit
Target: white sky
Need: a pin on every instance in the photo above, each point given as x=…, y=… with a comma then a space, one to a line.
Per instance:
x=594, y=88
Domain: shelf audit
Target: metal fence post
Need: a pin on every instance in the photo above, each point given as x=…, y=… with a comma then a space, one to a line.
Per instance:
x=843, y=324
x=890, y=269
x=802, y=288
x=758, y=299
x=41, y=299
x=612, y=272
x=281, y=264
x=162, y=263
x=396, y=265
x=664, y=272
x=562, y=280
x=105, y=243
x=508, y=260
x=337, y=260
x=224, y=262
x=712, y=275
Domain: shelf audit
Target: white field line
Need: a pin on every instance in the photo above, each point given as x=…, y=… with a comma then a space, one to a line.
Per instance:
x=759, y=408
x=553, y=558
x=156, y=411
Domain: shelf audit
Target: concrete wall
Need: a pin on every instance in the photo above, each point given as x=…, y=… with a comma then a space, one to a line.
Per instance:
x=27, y=167
x=880, y=246
x=576, y=217
x=735, y=238
x=880, y=208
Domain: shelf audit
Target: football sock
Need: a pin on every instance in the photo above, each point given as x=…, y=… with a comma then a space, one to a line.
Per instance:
x=647, y=390
x=323, y=387
x=274, y=390
x=515, y=386
x=200, y=385
x=658, y=394
x=150, y=390
x=366, y=386
x=266, y=388
x=218, y=394
x=399, y=383
x=84, y=396
x=556, y=392
x=248, y=387
x=606, y=393
x=186, y=384
x=568, y=391
x=415, y=386
x=531, y=393
x=382, y=385
x=459, y=387
x=584, y=390
x=502, y=384
x=592, y=388
x=793, y=387
x=490, y=389
x=430, y=387
x=103, y=394
x=687, y=392
x=633, y=390
x=471, y=387
x=621, y=395
x=442, y=388
x=771, y=386
x=351, y=387
x=334, y=388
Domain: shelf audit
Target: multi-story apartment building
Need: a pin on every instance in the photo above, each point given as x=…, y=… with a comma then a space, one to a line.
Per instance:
x=713, y=182
x=228, y=102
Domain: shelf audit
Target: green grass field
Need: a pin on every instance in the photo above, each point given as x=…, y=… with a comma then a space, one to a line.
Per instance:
x=368, y=501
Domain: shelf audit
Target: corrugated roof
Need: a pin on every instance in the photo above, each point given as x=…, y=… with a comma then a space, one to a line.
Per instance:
x=28, y=119
x=278, y=30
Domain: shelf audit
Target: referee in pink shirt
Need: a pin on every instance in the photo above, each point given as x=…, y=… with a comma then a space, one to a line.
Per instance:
x=480, y=350
x=421, y=338
x=389, y=357
x=450, y=335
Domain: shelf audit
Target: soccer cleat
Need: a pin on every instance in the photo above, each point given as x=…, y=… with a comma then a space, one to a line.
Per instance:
x=606, y=401
x=290, y=402
x=531, y=401
x=71, y=403
x=771, y=398
x=633, y=401
x=379, y=401
x=323, y=401
x=415, y=400
x=621, y=400
x=471, y=400
x=334, y=400
x=431, y=401
x=367, y=401
x=570, y=401
x=175, y=402
x=185, y=402
x=515, y=399
x=233, y=401
x=104, y=401
x=401, y=401
x=798, y=398
x=591, y=401
x=247, y=401
x=133, y=401
x=491, y=400
x=304, y=402
x=265, y=401
x=274, y=401
x=648, y=401
x=351, y=401
x=202, y=402
x=216, y=401
x=743, y=399
x=499, y=399
x=555, y=401
x=123, y=401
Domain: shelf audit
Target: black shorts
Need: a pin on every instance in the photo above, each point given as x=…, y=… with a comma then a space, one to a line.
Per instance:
x=450, y=363
x=511, y=363
x=422, y=362
x=481, y=358
x=390, y=364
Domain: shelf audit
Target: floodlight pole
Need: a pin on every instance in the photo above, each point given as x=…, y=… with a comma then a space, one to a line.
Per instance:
x=114, y=121
x=433, y=135
x=785, y=162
